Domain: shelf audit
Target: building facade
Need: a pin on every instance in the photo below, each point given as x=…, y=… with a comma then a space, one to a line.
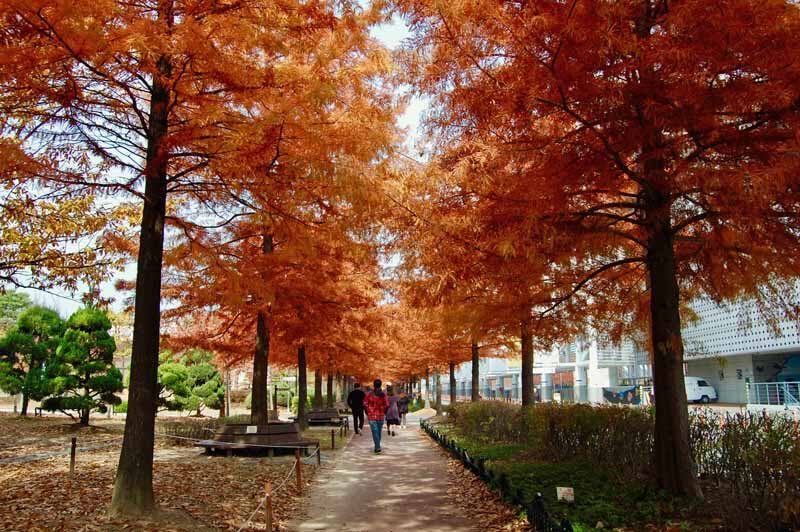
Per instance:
x=733, y=347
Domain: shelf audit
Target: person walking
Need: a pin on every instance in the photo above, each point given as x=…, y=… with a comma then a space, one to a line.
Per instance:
x=392, y=412
x=402, y=407
x=355, y=400
x=376, y=405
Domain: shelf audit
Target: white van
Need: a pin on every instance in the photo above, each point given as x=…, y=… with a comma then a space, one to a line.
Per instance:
x=698, y=390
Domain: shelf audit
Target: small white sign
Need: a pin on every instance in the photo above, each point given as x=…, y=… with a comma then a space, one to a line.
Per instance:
x=252, y=429
x=565, y=494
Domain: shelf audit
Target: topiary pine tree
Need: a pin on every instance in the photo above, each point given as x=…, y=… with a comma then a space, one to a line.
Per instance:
x=26, y=354
x=172, y=388
x=86, y=377
x=191, y=383
x=12, y=305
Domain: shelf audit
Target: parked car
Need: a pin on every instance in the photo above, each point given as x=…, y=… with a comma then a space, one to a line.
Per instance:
x=699, y=391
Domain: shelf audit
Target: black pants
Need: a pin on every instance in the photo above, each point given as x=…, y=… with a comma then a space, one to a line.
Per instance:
x=358, y=420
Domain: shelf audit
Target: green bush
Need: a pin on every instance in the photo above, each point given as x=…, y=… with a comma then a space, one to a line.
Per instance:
x=309, y=403
x=121, y=408
x=416, y=404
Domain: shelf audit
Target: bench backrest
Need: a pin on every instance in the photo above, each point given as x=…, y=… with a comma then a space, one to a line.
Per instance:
x=269, y=429
x=323, y=414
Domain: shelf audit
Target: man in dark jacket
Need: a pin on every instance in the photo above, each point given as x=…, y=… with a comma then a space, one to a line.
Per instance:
x=355, y=400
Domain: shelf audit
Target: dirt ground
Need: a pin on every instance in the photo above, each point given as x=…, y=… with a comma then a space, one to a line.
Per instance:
x=195, y=491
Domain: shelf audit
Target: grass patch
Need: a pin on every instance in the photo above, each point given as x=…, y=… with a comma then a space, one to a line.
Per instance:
x=601, y=496
x=324, y=436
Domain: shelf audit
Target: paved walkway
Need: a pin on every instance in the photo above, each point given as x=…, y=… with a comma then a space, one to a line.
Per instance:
x=403, y=488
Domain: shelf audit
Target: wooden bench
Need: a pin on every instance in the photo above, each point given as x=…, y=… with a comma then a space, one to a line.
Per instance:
x=330, y=417
x=277, y=435
x=327, y=416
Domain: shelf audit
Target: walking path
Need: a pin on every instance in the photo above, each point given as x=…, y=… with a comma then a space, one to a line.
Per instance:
x=403, y=488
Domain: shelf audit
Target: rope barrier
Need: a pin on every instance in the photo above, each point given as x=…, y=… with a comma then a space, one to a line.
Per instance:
x=267, y=496
x=309, y=457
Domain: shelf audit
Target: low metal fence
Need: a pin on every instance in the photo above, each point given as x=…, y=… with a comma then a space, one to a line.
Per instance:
x=773, y=393
x=537, y=514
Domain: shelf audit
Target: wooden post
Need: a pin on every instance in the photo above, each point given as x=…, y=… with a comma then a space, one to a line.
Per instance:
x=268, y=507
x=333, y=439
x=319, y=455
x=298, y=470
x=72, y=450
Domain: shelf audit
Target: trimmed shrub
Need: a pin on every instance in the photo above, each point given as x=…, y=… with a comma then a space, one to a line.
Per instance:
x=487, y=420
x=757, y=455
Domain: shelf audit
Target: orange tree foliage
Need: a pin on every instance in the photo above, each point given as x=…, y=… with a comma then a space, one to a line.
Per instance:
x=293, y=262
x=486, y=284
x=318, y=288
x=51, y=236
x=157, y=99
x=647, y=148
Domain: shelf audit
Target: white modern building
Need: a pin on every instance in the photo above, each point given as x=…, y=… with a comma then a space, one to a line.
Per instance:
x=744, y=357
x=732, y=347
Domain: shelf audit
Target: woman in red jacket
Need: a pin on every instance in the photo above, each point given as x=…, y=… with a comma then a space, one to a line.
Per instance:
x=376, y=404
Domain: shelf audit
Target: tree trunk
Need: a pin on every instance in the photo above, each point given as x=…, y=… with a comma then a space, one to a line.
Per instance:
x=427, y=388
x=318, y=401
x=302, y=388
x=673, y=458
x=133, y=485
x=526, y=337
x=438, y=379
x=452, y=383
x=223, y=408
x=330, y=390
x=84, y=419
x=476, y=373
x=24, y=409
x=258, y=397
